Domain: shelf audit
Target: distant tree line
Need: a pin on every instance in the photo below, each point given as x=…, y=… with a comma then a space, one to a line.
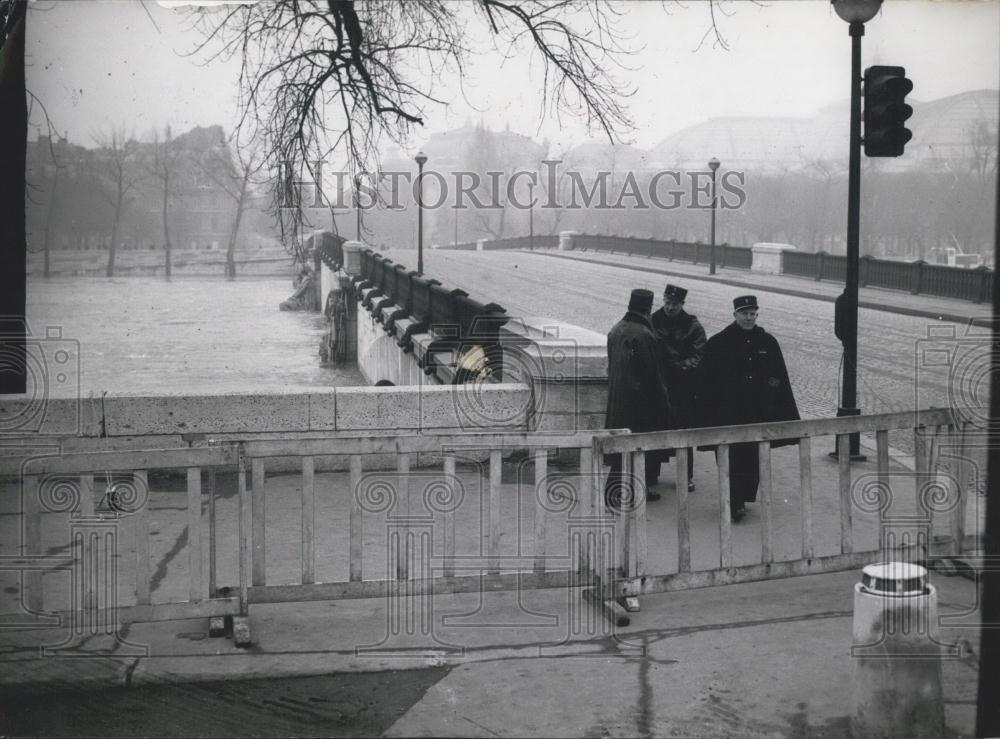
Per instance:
x=906, y=214
x=191, y=190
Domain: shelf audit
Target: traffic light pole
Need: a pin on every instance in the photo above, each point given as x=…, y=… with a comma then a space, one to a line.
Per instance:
x=849, y=388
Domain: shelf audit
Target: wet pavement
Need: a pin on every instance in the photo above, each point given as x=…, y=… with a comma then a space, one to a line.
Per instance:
x=756, y=659
x=343, y=705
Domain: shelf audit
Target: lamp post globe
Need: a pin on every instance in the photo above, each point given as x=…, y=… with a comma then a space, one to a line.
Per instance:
x=421, y=160
x=856, y=11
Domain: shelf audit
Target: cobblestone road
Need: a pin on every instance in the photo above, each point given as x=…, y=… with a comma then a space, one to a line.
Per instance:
x=896, y=370
x=893, y=374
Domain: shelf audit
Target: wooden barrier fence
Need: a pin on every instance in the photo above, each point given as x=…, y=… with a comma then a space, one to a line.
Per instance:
x=596, y=546
x=935, y=495
x=104, y=497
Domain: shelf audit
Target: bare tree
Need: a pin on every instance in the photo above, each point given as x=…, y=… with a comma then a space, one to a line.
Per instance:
x=983, y=152
x=50, y=215
x=320, y=76
x=118, y=176
x=163, y=167
x=234, y=171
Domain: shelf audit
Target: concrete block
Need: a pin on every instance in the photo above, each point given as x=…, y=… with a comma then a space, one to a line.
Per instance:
x=385, y=311
x=323, y=411
x=370, y=409
x=233, y=413
x=768, y=257
x=590, y=421
x=475, y=407
x=552, y=348
x=32, y=415
x=554, y=421
x=352, y=257
x=592, y=397
x=566, y=240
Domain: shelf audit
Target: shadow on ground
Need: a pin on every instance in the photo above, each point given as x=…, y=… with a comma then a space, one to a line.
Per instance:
x=345, y=705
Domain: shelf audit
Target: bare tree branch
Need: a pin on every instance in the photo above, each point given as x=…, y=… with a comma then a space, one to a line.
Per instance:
x=322, y=77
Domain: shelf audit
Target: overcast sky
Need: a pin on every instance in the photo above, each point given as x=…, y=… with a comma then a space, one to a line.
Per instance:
x=96, y=64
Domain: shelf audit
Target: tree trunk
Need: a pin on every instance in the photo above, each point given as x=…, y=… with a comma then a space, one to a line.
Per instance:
x=231, y=248
x=113, y=247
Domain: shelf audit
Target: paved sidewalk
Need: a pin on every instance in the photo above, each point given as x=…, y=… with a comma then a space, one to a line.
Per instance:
x=758, y=659
x=893, y=301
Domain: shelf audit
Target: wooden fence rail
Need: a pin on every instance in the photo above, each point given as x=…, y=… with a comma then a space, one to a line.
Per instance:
x=936, y=495
x=596, y=546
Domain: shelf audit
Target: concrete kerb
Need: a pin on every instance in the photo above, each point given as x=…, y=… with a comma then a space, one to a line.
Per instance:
x=887, y=307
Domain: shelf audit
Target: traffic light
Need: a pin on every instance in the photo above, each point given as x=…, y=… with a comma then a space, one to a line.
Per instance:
x=886, y=112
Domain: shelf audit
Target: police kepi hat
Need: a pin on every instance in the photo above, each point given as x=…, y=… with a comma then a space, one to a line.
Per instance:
x=641, y=301
x=674, y=294
x=743, y=302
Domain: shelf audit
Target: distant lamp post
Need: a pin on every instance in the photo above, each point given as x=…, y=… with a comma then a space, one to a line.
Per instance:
x=421, y=160
x=856, y=13
x=357, y=206
x=713, y=164
x=531, y=215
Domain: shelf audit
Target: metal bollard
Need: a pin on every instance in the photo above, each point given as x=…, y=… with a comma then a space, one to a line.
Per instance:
x=897, y=658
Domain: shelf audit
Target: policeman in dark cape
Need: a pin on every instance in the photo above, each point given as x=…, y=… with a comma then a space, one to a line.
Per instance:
x=681, y=342
x=745, y=381
x=637, y=394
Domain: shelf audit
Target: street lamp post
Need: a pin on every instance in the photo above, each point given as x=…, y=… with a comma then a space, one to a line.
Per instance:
x=856, y=13
x=420, y=159
x=357, y=207
x=713, y=164
x=531, y=215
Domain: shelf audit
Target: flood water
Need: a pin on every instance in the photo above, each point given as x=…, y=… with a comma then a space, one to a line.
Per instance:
x=140, y=335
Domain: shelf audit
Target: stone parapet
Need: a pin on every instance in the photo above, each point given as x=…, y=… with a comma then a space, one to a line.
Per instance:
x=352, y=257
x=379, y=356
x=554, y=349
x=566, y=367
x=441, y=408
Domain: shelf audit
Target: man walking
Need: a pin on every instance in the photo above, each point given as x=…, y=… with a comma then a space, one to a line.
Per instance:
x=637, y=393
x=681, y=341
x=745, y=381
